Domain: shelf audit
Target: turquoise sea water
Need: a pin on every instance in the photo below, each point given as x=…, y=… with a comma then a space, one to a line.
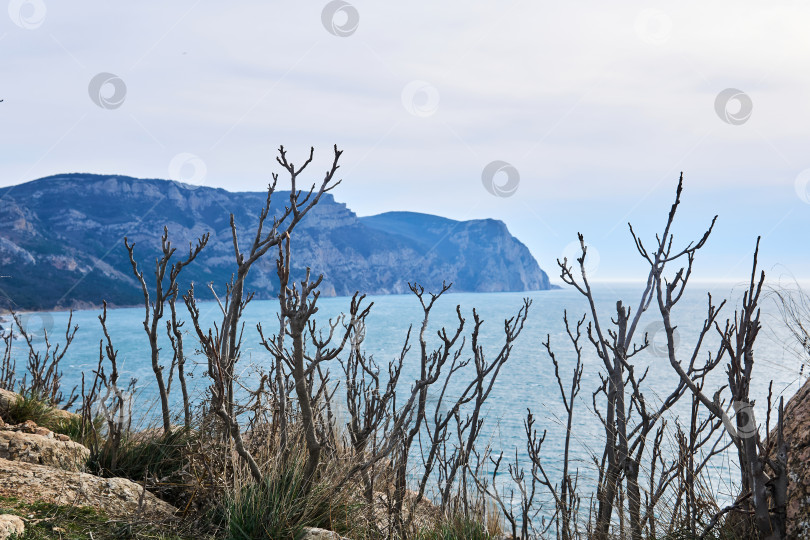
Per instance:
x=527, y=380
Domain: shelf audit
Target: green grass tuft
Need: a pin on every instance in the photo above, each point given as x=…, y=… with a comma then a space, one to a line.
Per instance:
x=29, y=407
x=154, y=458
x=143, y=455
x=281, y=508
x=456, y=527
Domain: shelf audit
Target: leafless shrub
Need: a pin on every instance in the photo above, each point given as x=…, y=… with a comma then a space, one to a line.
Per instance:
x=565, y=491
x=793, y=303
x=465, y=414
x=628, y=417
x=635, y=426
x=221, y=345
x=43, y=366
x=523, y=522
x=680, y=475
x=106, y=399
x=8, y=364
x=763, y=467
x=163, y=293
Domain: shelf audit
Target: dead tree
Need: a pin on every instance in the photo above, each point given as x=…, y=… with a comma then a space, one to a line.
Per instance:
x=624, y=399
x=763, y=473
x=106, y=398
x=8, y=364
x=297, y=307
x=564, y=492
x=154, y=306
x=222, y=344
x=466, y=412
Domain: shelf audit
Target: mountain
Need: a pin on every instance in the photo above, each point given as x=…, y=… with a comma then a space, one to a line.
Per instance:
x=61, y=243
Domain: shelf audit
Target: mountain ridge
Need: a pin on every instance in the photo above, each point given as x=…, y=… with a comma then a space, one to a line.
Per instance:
x=61, y=243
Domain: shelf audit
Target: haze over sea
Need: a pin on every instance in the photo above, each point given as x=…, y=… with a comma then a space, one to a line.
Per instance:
x=527, y=380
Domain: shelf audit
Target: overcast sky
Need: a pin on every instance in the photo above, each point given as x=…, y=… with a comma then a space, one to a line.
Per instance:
x=593, y=108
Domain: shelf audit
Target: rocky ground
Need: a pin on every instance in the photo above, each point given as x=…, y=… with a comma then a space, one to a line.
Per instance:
x=40, y=469
x=40, y=466
x=42, y=473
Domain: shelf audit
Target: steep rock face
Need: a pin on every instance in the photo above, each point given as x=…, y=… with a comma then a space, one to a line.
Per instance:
x=61, y=243
x=482, y=254
x=797, y=436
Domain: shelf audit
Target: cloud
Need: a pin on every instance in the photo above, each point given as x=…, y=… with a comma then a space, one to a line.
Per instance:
x=597, y=106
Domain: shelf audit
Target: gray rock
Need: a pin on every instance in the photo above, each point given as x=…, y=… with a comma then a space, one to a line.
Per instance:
x=11, y=525
x=117, y=497
x=311, y=533
x=797, y=436
x=42, y=450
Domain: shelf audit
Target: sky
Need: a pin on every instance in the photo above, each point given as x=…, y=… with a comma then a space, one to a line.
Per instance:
x=555, y=117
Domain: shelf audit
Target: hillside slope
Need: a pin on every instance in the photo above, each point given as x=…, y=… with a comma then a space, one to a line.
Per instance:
x=61, y=243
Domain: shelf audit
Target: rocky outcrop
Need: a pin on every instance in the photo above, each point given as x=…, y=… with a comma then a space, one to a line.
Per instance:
x=797, y=436
x=38, y=465
x=8, y=398
x=311, y=533
x=30, y=443
x=11, y=525
x=58, y=238
x=478, y=255
x=117, y=497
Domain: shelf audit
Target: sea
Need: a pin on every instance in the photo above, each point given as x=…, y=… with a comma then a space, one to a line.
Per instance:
x=527, y=381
